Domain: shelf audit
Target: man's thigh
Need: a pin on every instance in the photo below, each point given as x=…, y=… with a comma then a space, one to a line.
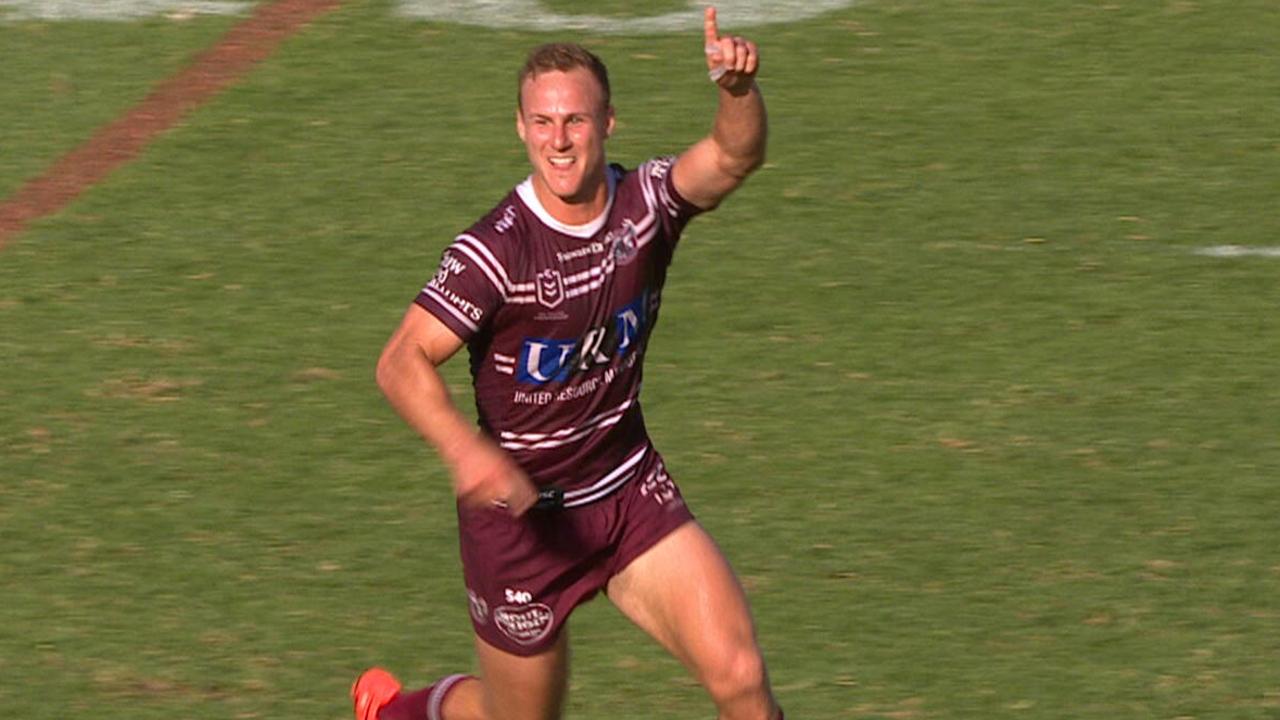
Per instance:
x=524, y=687
x=683, y=592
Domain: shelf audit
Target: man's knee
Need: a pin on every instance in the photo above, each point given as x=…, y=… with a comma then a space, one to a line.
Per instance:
x=740, y=677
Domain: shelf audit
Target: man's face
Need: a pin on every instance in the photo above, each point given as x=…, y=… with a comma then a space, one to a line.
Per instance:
x=564, y=123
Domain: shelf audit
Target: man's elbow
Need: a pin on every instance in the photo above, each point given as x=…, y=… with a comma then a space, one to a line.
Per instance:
x=753, y=163
x=740, y=167
x=387, y=370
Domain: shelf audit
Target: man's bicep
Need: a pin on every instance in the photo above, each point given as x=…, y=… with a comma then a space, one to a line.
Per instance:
x=699, y=177
x=421, y=330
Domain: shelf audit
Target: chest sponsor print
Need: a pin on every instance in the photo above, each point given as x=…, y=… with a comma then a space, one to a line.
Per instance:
x=544, y=360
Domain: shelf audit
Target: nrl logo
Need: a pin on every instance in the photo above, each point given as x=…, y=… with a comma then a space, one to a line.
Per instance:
x=550, y=288
x=622, y=244
x=526, y=624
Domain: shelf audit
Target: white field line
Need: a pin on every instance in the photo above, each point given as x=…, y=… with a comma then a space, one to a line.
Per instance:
x=499, y=14
x=114, y=9
x=532, y=15
x=1235, y=251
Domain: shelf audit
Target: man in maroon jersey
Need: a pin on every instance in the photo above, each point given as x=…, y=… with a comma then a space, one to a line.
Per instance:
x=561, y=495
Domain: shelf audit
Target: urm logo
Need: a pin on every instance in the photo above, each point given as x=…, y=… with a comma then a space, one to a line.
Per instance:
x=544, y=360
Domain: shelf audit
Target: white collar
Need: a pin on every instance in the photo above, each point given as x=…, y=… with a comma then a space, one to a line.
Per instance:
x=586, y=230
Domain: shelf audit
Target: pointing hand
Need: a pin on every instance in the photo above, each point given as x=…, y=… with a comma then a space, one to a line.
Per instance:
x=732, y=61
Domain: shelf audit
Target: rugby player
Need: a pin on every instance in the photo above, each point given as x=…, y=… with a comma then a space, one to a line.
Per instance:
x=561, y=495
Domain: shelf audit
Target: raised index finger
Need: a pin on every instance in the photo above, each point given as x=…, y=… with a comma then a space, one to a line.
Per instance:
x=709, y=28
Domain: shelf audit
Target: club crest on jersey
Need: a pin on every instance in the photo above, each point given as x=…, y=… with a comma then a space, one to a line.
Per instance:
x=550, y=288
x=622, y=243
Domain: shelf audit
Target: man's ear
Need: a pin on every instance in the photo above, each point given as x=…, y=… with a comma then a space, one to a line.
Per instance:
x=610, y=122
x=520, y=124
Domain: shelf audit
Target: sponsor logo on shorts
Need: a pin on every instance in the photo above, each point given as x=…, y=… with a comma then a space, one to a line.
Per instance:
x=526, y=624
x=659, y=487
x=479, y=608
x=518, y=597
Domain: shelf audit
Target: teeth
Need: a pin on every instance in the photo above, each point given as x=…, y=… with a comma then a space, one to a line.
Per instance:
x=561, y=162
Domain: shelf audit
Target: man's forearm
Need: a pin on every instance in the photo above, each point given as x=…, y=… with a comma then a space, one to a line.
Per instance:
x=741, y=131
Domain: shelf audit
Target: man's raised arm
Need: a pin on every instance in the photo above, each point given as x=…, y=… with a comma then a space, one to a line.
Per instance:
x=717, y=164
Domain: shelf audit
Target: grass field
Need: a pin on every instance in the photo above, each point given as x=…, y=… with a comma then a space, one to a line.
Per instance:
x=984, y=433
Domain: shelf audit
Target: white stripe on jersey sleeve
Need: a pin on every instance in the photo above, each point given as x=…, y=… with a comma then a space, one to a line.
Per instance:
x=656, y=194
x=443, y=302
x=672, y=208
x=483, y=265
x=646, y=186
x=497, y=274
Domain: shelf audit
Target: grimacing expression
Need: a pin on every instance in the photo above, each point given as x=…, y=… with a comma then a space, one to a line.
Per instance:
x=564, y=123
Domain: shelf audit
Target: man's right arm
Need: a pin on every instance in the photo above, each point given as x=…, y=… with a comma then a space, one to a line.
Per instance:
x=483, y=474
x=716, y=165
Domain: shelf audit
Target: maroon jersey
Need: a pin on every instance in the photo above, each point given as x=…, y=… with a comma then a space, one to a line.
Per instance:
x=556, y=318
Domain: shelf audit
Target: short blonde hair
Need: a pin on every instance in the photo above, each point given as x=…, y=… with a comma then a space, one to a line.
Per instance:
x=562, y=57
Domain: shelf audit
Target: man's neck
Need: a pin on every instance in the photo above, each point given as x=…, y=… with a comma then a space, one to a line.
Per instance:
x=573, y=212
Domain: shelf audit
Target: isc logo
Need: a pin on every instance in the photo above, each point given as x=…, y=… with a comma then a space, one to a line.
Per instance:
x=544, y=360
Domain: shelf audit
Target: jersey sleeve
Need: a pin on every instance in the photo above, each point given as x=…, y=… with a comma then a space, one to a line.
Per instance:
x=468, y=288
x=672, y=209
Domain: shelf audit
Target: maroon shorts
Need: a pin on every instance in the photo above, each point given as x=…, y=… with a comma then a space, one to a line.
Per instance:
x=525, y=575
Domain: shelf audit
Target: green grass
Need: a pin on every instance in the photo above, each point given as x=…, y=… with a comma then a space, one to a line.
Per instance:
x=982, y=434
x=64, y=80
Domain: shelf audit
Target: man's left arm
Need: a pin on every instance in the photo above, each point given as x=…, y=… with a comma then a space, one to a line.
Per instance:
x=717, y=164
